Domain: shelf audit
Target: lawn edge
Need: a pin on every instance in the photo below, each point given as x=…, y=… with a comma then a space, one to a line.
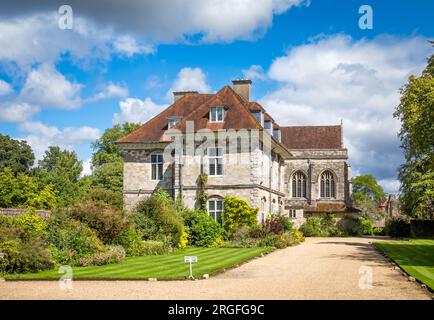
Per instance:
x=200, y=277
x=404, y=273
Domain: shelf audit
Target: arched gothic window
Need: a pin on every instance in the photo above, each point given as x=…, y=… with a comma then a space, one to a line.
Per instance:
x=327, y=185
x=299, y=185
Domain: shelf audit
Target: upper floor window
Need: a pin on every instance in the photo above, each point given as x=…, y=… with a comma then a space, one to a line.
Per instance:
x=298, y=185
x=215, y=209
x=172, y=121
x=327, y=185
x=215, y=161
x=157, y=166
x=217, y=114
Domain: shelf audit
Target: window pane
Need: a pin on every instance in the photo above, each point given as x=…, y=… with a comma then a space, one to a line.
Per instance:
x=212, y=152
x=154, y=172
x=153, y=158
x=219, y=205
x=212, y=168
x=160, y=158
x=211, y=205
x=219, y=167
x=160, y=171
x=218, y=217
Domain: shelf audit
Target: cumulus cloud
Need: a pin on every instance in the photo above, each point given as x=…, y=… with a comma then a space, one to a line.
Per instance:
x=137, y=111
x=111, y=90
x=254, y=72
x=335, y=77
x=47, y=87
x=170, y=20
x=18, y=112
x=128, y=46
x=40, y=136
x=5, y=88
x=190, y=79
x=87, y=168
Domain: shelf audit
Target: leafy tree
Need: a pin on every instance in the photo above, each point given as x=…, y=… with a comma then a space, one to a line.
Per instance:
x=416, y=113
x=237, y=213
x=365, y=188
x=15, y=154
x=62, y=169
x=109, y=176
x=105, y=148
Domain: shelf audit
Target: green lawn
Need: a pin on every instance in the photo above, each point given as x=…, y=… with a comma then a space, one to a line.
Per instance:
x=416, y=257
x=169, y=266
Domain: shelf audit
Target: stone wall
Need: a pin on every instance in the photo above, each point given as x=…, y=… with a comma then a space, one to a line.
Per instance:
x=44, y=214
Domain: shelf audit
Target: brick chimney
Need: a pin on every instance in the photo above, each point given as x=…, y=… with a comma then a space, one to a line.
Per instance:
x=242, y=88
x=179, y=94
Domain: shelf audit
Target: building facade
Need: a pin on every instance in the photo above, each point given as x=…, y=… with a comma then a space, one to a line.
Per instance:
x=292, y=170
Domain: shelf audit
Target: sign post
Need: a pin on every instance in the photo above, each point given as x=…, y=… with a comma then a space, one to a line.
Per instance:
x=190, y=260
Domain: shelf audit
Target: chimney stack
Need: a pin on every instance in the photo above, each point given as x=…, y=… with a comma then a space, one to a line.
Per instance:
x=242, y=88
x=179, y=94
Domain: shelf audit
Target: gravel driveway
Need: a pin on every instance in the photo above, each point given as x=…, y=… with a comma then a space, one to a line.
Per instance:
x=320, y=268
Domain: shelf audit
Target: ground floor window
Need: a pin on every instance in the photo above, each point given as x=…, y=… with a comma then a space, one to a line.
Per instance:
x=292, y=213
x=215, y=209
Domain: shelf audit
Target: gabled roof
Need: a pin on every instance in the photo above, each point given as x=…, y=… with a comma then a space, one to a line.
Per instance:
x=312, y=137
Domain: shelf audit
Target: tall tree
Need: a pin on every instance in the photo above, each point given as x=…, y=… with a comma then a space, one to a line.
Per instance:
x=416, y=113
x=15, y=154
x=62, y=170
x=366, y=187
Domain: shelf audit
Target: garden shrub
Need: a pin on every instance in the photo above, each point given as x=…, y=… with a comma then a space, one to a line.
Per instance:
x=379, y=231
x=203, y=231
x=152, y=247
x=113, y=254
x=72, y=238
x=131, y=240
x=363, y=226
x=157, y=217
x=398, y=228
x=237, y=213
x=324, y=226
x=277, y=224
x=107, y=221
x=103, y=196
x=31, y=223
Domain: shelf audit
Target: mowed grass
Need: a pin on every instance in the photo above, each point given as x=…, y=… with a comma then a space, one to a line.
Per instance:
x=416, y=257
x=168, y=267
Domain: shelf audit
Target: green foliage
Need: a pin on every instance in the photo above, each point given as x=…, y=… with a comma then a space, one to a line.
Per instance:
x=363, y=226
x=131, y=240
x=31, y=224
x=398, y=228
x=158, y=219
x=21, y=191
x=152, y=247
x=324, y=226
x=202, y=180
x=15, y=154
x=203, y=231
x=238, y=213
x=105, y=197
x=112, y=254
x=109, y=176
x=366, y=187
x=72, y=238
x=415, y=112
x=379, y=231
x=277, y=224
x=62, y=170
x=106, y=221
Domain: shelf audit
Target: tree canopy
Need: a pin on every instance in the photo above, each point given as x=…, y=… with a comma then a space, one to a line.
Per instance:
x=416, y=113
x=15, y=154
x=366, y=187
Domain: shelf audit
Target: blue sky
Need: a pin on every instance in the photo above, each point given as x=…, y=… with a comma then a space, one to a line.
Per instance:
x=309, y=61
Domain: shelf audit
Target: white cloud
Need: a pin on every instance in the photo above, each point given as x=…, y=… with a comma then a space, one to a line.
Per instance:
x=336, y=77
x=18, y=112
x=137, y=111
x=254, y=72
x=110, y=91
x=87, y=168
x=390, y=185
x=128, y=46
x=5, y=88
x=47, y=87
x=190, y=79
x=40, y=136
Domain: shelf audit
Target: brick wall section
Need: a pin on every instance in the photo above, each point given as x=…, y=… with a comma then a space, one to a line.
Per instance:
x=44, y=214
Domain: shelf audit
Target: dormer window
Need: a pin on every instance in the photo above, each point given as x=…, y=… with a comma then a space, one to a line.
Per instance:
x=172, y=121
x=259, y=115
x=217, y=114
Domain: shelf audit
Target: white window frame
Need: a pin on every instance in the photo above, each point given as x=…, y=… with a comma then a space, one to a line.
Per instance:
x=214, y=160
x=159, y=166
x=213, y=212
x=215, y=115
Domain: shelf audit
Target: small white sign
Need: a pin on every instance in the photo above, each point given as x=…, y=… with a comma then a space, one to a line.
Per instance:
x=191, y=259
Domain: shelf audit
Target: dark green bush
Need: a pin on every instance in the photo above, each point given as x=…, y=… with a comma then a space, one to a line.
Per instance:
x=203, y=231
x=103, y=196
x=363, y=226
x=131, y=240
x=398, y=228
x=237, y=213
x=378, y=231
x=157, y=218
x=324, y=226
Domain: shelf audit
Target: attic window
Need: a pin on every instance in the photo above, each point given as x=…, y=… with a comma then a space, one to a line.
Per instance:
x=217, y=114
x=172, y=121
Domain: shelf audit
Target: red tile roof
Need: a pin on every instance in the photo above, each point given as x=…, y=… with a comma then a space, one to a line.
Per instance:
x=312, y=137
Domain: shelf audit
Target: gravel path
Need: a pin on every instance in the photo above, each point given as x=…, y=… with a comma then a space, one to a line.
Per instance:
x=320, y=268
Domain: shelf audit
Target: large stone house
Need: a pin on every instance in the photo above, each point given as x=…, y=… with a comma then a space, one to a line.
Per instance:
x=292, y=170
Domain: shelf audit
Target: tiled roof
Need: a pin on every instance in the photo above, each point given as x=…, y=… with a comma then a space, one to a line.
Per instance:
x=312, y=137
